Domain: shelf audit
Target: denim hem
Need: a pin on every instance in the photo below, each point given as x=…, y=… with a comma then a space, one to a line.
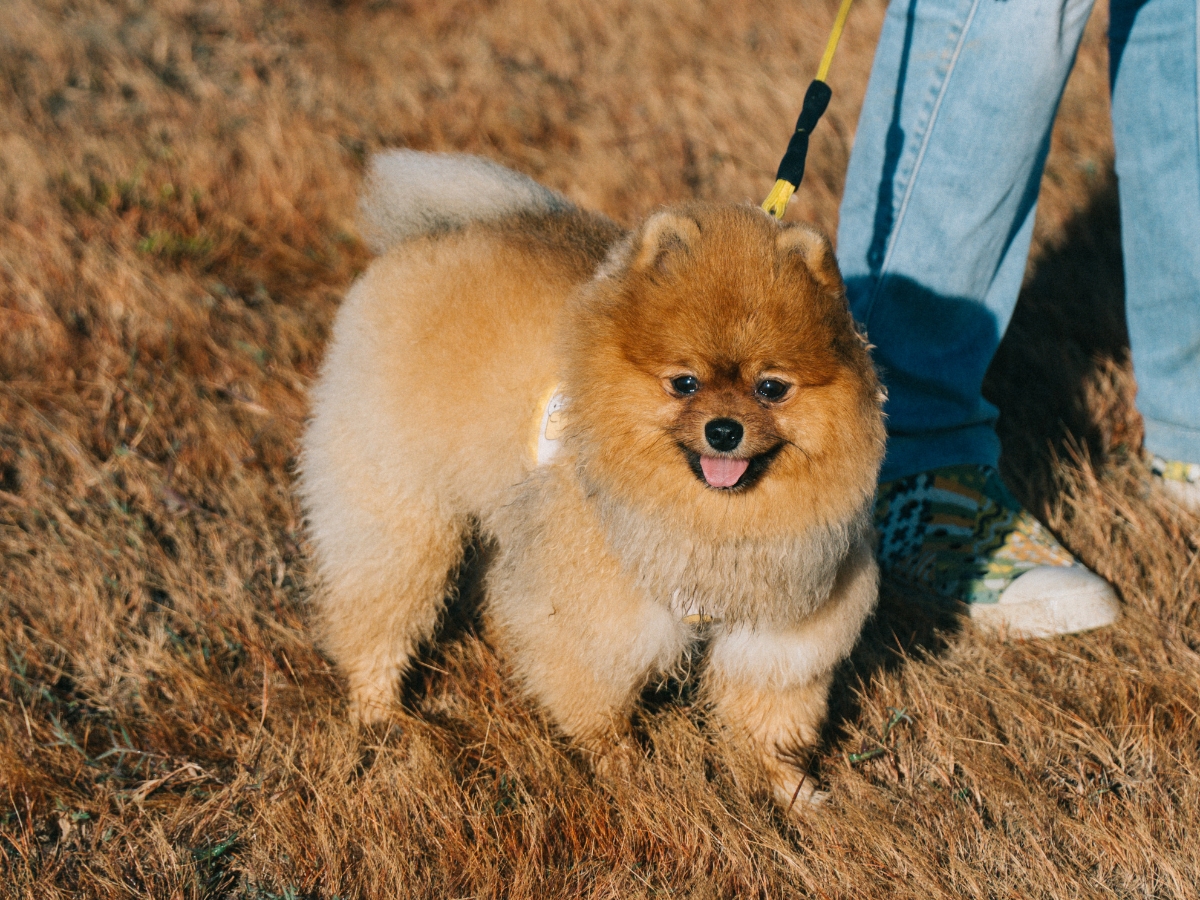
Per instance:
x=911, y=454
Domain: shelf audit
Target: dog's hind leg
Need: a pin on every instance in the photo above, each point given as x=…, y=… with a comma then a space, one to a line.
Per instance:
x=384, y=584
x=771, y=685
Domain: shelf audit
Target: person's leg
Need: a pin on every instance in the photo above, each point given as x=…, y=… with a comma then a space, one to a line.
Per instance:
x=1156, y=129
x=939, y=206
x=935, y=228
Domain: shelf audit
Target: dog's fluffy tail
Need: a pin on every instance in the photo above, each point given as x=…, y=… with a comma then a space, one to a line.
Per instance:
x=409, y=193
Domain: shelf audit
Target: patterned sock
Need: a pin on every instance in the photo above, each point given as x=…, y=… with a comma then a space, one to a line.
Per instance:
x=959, y=531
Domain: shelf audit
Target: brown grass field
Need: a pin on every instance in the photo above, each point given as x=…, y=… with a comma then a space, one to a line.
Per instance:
x=177, y=189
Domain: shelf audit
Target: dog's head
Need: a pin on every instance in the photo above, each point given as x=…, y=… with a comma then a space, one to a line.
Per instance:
x=713, y=370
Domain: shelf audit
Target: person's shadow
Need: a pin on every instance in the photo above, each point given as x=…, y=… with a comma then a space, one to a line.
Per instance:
x=1062, y=377
x=1062, y=382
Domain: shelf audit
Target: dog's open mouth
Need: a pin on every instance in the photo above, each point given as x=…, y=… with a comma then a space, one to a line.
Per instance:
x=726, y=473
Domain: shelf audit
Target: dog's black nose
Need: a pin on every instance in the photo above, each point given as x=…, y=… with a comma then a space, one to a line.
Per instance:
x=723, y=434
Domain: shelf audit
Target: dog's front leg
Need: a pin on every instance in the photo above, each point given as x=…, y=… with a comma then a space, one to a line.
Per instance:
x=781, y=723
x=771, y=684
x=583, y=643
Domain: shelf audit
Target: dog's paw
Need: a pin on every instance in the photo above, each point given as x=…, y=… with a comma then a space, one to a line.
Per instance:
x=613, y=759
x=797, y=793
x=371, y=700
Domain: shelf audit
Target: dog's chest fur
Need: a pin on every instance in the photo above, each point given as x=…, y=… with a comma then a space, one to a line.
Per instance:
x=757, y=581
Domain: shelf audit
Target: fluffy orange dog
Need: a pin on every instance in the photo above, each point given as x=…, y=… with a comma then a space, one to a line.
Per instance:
x=667, y=432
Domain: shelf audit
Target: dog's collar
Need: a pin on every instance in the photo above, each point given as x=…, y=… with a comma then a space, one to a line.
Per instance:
x=549, y=420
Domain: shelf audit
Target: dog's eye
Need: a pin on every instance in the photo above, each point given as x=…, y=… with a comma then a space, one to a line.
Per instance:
x=685, y=385
x=772, y=389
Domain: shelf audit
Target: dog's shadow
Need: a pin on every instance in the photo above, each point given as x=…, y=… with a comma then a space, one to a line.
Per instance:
x=462, y=620
x=908, y=625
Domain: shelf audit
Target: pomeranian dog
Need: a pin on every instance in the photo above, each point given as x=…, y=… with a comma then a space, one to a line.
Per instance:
x=668, y=434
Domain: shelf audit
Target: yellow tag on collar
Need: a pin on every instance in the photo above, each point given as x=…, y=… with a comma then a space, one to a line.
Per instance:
x=549, y=424
x=694, y=614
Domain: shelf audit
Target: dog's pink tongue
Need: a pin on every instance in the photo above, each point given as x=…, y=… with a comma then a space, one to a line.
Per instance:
x=720, y=471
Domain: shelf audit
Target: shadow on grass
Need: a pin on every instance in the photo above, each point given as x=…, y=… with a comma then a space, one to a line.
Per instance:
x=461, y=621
x=1062, y=377
x=908, y=624
x=1062, y=381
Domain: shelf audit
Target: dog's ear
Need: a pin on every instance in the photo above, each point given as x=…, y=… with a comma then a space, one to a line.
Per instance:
x=665, y=236
x=814, y=248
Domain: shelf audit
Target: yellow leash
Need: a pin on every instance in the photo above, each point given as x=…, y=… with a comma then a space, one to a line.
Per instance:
x=839, y=24
x=816, y=99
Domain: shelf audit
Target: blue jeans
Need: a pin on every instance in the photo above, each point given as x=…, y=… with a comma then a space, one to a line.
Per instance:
x=940, y=197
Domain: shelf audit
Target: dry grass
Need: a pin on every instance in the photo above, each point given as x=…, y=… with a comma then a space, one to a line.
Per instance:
x=177, y=182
